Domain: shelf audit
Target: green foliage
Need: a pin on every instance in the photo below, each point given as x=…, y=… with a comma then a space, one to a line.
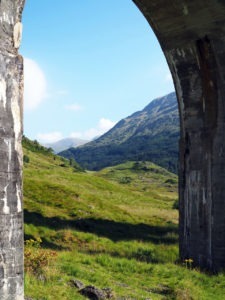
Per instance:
x=26, y=159
x=125, y=180
x=35, y=147
x=171, y=181
x=176, y=204
x=75, y=165
x=140, y=166
x=35, y=258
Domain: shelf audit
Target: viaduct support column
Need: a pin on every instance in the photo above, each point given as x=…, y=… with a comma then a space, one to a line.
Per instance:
x=198, y=71
x=192, y=37
x=11, y=95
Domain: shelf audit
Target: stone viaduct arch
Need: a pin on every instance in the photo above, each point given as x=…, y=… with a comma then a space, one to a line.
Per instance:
x=192, y=37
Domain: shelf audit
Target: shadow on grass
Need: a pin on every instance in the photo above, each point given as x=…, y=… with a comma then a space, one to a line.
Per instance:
x=45, y=243
x=141, y=255
x=116, y=231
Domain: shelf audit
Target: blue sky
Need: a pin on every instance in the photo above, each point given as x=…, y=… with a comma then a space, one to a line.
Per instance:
x=88, y=64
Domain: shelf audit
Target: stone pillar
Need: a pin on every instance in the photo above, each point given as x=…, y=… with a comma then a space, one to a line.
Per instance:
x=11, y=98
x=198, y=71
x=192, y=37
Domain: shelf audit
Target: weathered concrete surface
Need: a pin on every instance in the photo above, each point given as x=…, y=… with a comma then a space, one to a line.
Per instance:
x=11, y=92
x=192, y=37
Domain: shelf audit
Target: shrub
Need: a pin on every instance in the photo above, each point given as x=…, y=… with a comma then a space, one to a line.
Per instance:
x=171, y=181
x=75, y=165
x=36, y=258
x=26, y=159
x=176, y=204
x=125, y=180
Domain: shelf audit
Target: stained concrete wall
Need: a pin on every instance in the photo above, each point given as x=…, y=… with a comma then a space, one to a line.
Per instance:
x=11, y=90
x=192, y=37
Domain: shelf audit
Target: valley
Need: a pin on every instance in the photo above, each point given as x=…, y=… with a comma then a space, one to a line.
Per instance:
x=116, y=228
x=151, y=134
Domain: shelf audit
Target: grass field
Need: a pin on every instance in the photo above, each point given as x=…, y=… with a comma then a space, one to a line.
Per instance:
x=116, y=228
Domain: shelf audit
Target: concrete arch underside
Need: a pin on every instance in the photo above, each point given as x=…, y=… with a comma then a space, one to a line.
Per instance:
x=192, y=37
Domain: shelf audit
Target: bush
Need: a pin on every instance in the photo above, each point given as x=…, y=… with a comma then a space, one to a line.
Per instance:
x=176, y=204
x=125, y=180
x=75, y=165
x=139, y=166
x=35, y=258
x=171, y=181
x=26, y=159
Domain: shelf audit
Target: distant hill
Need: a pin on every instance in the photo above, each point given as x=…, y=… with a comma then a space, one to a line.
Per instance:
x=30, y=146
x=148, y=135
x=64, y=144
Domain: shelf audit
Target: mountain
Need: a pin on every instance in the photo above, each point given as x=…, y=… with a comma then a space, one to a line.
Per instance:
x=64, y=144
x=148, y=135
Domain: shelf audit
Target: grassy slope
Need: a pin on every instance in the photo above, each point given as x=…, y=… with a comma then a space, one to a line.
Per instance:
x=115, y=228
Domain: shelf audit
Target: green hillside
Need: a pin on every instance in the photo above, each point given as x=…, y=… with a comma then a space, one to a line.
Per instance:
x=148, y=135
x=115, y=229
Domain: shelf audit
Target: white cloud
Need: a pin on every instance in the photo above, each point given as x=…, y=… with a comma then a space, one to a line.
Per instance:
x=105, y=124
x=35, y=85
x=102, y=127
x=92, y=133
x=76, y=135
x=74, y=107
x=50, y=137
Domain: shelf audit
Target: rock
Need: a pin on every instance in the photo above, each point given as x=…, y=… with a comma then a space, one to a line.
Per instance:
x=108, y=293
x=76, y=283
x=41, y=277
x=93, y=293
x=162, y=290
